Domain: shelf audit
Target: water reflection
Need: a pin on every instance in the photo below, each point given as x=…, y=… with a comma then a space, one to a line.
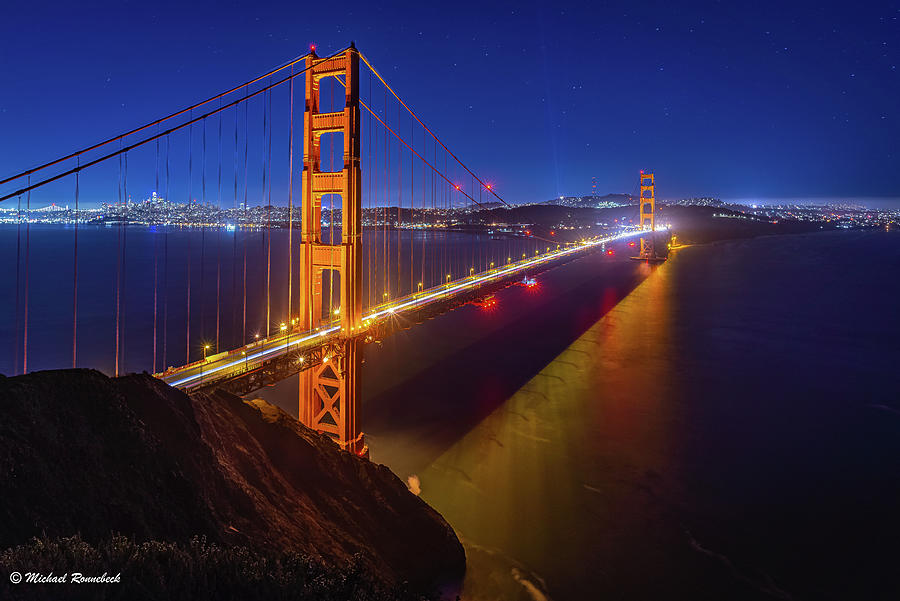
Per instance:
x=727, y=431
x=545, y=479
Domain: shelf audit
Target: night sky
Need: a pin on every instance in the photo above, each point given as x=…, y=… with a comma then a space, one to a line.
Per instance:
x=737, y=100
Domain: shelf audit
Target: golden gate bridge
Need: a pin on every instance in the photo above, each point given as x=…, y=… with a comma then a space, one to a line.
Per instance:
x=364, y=252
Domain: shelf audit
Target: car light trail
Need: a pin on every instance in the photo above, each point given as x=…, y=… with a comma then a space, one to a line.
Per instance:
x=417, y=300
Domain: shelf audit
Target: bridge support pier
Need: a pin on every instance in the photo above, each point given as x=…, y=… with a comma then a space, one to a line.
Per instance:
x=328, y=396
x=328, y=390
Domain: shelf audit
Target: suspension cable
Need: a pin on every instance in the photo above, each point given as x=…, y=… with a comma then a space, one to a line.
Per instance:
x=18, y=278
x=405, y=143
x=290, y=205
x=158, y=121
x=166, y=263
x=27, y=265
x=75, y=278
x=246, y=234
x=378, y=75
x=187, y=352
x=146, y=140
x=153, y=220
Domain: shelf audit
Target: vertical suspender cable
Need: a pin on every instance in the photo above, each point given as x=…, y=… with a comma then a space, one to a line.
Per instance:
x=18, y=271
x=424, y=222
x=290, y=202
x=434, y=230
x=246, y=234
x=268, y=152
x=203, y=213
x=234, y=215
x=219, y=234
x=27, y=264
x=370, y=165
x=412, y=208
x=155, y=259
x=265, y=237
x=166, y=264
x=399, y=205
x=124, y=253
x=385, y=178
x=118, y=267
x=187, y=351
x=75, y=271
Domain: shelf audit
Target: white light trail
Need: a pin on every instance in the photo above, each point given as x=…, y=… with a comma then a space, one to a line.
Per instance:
x=418, y=300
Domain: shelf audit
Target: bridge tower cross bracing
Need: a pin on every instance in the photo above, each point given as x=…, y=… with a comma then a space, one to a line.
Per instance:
x=647, y=213
x=328, y=391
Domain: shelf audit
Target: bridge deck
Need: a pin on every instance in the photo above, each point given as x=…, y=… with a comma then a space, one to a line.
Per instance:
x=219, y=368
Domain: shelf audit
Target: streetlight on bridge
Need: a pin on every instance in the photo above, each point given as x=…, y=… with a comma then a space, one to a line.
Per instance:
x=205, y=348
x=283, y=327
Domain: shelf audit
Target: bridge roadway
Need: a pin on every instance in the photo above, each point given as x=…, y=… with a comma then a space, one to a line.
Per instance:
x=221, y=367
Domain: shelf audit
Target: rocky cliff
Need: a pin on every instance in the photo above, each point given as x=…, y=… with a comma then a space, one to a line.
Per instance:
x=84, y=454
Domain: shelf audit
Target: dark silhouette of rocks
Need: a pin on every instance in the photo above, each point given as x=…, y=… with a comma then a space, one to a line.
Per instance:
x=83, y=454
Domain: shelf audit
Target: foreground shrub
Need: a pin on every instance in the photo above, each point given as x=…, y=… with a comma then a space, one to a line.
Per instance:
x=193, y=571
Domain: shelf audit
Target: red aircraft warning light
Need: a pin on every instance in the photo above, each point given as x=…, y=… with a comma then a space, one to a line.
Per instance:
x=312, y=47
x=631, y=243
x=610, y=252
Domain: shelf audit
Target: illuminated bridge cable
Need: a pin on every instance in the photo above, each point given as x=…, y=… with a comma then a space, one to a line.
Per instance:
x=166, y=264
x=118, y=264
x=399, y=205
x=189, y=109
x=384, y=201
x=234, y=214
x=154, y=221
x=378, y=75
x=18, y=283
x=124, y=254
x=130, y=147
x=424, y=216
x=366, y=198
x=265, y=237
x=27, y=264
x=219, y=236
x=203, y=213
x=246, y=184
x=268, y=192
x=412, y=211
x=290, y=204
x=75, y=278
x=405, y=143
x=187, y=329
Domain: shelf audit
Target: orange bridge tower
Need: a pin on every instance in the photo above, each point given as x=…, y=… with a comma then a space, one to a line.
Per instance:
x=647, y=214
x=328, y=390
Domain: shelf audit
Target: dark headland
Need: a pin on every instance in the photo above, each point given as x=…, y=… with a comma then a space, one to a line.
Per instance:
x=205, y=496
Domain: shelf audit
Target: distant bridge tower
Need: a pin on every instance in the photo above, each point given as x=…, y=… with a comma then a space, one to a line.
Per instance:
x=328, y=391
x=647, y=213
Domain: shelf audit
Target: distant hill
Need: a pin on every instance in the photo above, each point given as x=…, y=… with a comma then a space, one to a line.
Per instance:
x=692, y=223
x=592, y=202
